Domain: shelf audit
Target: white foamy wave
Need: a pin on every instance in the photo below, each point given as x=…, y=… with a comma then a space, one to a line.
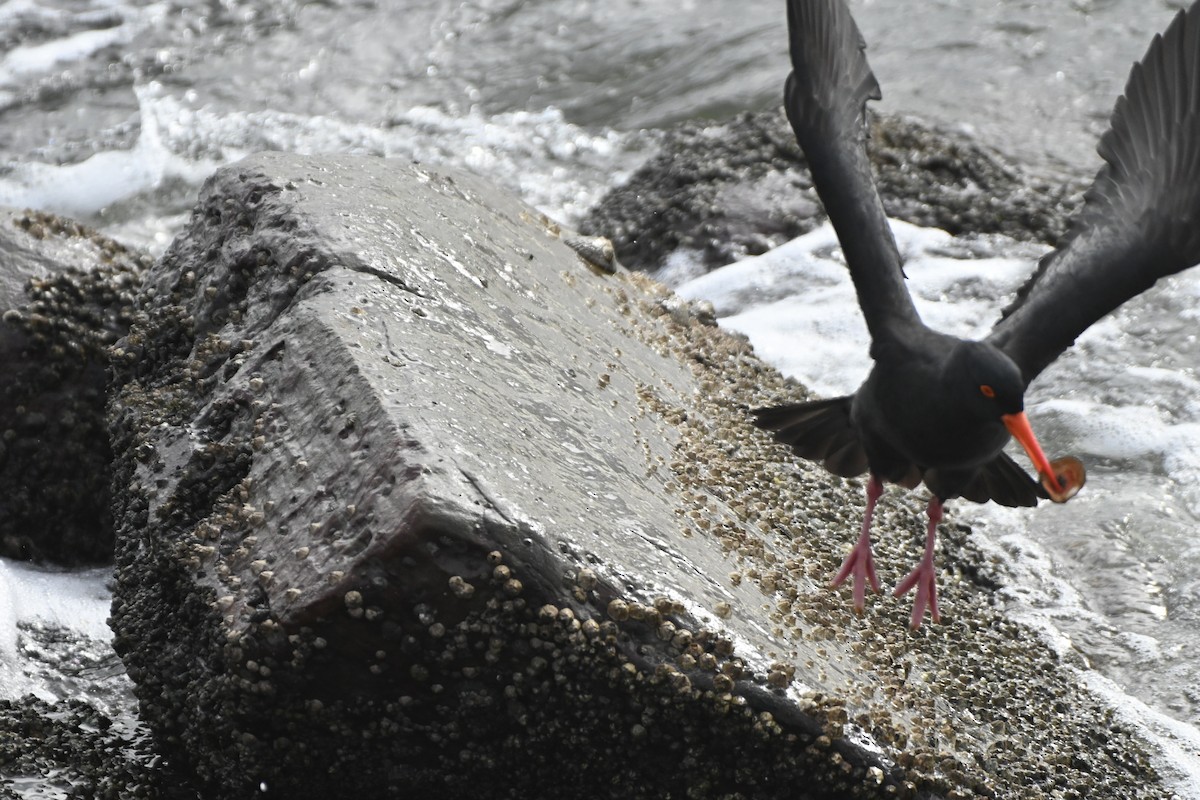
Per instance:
x=84, y=188
x=559, y=167
x=104, y=27
x=797, y=304
x=553, y=165
x=26, y=59
x=76, y=601
x=1135, y=434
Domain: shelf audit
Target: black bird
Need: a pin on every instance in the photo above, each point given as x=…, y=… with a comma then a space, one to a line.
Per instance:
x=939, y=409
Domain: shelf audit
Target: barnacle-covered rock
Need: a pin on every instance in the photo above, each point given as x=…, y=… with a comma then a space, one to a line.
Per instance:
x=66, y=294
x=415, y=502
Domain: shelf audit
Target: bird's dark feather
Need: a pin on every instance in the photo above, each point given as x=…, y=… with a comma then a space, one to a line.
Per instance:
x=825, y=98
x=1003, y=481
x=1141, y=217
x=818, y=431
x=1140, y=221
x=822, y=430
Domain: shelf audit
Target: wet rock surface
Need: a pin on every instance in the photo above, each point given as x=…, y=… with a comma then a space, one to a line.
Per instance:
x=413, y=500
x=395, y=461
x=65, y=292
x=725, y=190
x=71, y=749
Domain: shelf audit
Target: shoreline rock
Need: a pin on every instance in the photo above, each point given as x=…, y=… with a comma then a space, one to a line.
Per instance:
x=416, y=500
x=726, y=190
x=65, y=296
x=397, y=469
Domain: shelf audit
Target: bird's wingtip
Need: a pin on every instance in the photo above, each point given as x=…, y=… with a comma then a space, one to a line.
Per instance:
x=1151, y=150
x=830, y=75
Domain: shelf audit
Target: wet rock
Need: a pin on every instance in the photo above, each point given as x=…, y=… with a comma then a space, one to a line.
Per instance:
x=65, y=292
x=70, y=749
x=731, y=189
x=416, y=501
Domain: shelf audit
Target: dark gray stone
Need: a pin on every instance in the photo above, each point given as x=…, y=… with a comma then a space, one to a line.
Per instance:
x=414, y=501
x=730, y=189
x=65, y=294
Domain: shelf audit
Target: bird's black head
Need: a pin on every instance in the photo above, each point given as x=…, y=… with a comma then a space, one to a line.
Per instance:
x=987, y=387
x=983, y=380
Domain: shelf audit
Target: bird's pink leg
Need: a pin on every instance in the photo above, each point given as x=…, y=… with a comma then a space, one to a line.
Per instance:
x=923, y=576
x=859, y=562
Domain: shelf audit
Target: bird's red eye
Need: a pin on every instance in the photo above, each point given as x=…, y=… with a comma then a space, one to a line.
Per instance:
x=987, y=391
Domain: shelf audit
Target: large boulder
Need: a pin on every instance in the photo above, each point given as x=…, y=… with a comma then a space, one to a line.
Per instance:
x=415, y=501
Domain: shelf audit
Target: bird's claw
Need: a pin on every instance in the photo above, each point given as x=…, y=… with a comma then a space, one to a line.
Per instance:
x=924, y=578
x=861, y=564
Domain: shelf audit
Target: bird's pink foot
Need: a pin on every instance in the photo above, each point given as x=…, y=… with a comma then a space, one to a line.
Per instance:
x=861, y=565
x=859, y=562
x=924, y=578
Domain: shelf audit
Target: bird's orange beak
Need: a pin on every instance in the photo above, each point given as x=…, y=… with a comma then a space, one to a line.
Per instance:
x=1061, y=488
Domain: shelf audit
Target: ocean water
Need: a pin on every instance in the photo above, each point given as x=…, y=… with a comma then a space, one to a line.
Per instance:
x=115, y=111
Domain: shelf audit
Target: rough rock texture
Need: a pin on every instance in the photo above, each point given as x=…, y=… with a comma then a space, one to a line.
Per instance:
x=737, y=188
x=65, y=293
x=411, y=501
x=71, y=749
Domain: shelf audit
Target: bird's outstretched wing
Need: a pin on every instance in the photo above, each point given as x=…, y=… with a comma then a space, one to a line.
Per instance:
x=825, y=98
x=1002, y=481
x=1141, y=218
x=819, y=430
